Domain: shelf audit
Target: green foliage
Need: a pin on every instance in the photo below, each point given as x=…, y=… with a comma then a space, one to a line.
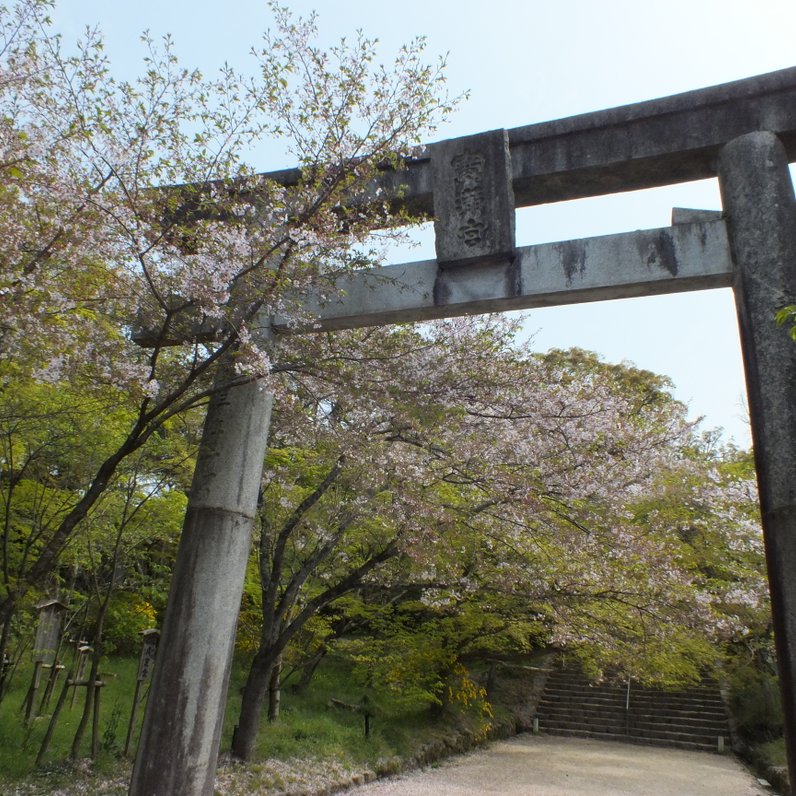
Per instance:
x=787, y=315
x=658, y=660
x=410, y=657
x=754, y=688
x=51, y=438
x=250, y=617
x=323, y=739
x=111, y=742
x=128, y=615
x=19, y=745
x=756, y=703
x=774, y=752
x=310, y=727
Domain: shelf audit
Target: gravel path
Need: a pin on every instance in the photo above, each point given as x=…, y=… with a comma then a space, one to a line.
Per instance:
x=545, y=766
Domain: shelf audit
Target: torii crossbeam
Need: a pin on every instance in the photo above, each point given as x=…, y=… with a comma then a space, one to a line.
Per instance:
x=743, y=132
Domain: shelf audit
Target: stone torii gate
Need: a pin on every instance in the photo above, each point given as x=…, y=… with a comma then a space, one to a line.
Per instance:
x=743, y=132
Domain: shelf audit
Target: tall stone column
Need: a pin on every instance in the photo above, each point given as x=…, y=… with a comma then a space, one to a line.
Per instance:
x=758, y=199
x=178, y=750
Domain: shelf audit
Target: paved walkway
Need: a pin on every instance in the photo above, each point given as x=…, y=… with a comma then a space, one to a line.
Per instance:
x=546, y=766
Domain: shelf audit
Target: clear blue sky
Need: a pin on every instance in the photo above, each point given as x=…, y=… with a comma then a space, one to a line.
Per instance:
x=525, y=61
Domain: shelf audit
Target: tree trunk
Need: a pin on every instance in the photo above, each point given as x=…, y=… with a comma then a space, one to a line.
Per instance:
x=4, y=634
x=254, y=694
x=308, y=672
x=275, y=690
x=276, y=636
x=491, y=680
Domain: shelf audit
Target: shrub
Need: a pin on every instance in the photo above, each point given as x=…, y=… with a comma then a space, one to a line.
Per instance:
x=127, y=616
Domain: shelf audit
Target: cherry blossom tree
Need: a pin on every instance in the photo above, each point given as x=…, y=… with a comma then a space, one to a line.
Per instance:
x=130, y=205
x=523, y=499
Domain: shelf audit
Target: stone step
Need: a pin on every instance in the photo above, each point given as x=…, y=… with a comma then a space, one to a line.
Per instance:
x=650, y=733
x=693, y=718
x=663, y=708
x=707, y=686
x=701, y=747
x=674, y=695
x=628, y=724
x=695, y=721
x=652, y=710
x=586, y=691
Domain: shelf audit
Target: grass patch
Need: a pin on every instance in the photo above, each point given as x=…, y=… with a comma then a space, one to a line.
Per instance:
x=774, y=752
x=20, y=741
x=309, y=726
x=311, y=743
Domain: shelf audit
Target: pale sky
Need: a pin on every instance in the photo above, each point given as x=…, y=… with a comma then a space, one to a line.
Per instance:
x=526, y=62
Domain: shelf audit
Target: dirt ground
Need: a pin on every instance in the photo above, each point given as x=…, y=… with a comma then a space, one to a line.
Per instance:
x=546, y=766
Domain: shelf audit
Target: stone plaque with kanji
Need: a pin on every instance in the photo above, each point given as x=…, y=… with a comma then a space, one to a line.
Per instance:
x=473, y=198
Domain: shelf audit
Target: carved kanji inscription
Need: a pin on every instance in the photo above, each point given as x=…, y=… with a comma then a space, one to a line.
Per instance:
x=473, y=199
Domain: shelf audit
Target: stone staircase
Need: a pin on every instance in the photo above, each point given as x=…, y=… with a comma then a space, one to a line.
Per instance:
x=694, y=718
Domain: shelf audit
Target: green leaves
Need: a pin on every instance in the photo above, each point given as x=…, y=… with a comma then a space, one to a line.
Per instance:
x=785, y=316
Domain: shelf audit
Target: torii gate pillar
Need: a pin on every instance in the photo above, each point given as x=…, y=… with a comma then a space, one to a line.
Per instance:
x=759, y=204
x=180, y=738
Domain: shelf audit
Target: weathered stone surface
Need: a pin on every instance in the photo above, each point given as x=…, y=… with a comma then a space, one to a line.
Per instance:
x=473, y=199
x=643, y=145
x=688, y=215
x=761, y=216
x=688, y=256
x=648, y=262
x=180, y=739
